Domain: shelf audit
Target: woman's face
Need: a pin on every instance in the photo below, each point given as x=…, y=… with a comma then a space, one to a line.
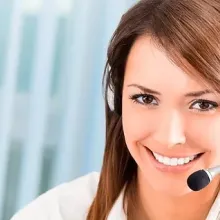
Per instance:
x=169, y=119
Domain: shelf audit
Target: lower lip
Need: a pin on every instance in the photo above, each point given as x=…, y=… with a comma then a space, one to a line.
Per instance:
x=172, y=169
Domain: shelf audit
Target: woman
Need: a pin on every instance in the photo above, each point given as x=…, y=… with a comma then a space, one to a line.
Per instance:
x=163, y=123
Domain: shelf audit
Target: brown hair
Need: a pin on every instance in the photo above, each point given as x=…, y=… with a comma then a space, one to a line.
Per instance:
x=188, y=31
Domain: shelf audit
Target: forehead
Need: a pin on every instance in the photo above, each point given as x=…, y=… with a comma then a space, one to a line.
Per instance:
x=149, y=65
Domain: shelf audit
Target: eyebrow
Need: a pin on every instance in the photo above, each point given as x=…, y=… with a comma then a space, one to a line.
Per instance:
x=198, y=93
x=190, y=94
x=144, y=89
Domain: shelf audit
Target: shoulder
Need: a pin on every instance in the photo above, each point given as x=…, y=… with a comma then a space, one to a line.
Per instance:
x=64, y=202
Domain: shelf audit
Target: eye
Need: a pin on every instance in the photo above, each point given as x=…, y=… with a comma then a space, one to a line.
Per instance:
x=144, y=99
x=204, y=105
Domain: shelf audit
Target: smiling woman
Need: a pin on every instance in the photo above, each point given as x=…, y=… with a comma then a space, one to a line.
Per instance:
x=162, y=124
x=170, y=112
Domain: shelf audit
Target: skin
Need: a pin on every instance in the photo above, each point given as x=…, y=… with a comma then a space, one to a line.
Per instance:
x=173, y=126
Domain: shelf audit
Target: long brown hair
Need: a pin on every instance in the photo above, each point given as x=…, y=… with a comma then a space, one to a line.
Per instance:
x=188, y=31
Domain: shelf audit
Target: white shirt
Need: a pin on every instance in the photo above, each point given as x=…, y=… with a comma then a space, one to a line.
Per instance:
x=71, y=201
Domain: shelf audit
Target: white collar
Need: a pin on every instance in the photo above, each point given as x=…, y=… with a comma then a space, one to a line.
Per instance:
x=214, y=213
x=117, y=211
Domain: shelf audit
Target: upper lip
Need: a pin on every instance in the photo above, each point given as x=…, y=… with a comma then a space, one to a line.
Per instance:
x=176, y=155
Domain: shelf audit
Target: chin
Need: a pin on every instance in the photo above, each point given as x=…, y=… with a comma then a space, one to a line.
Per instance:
x=167, y=184
x=174, y=190
x=171, y=188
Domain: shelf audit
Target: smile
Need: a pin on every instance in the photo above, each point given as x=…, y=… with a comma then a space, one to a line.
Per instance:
x=174, y=161
x=173, y=164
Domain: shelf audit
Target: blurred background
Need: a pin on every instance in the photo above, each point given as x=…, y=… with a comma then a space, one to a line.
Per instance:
x=52, y=56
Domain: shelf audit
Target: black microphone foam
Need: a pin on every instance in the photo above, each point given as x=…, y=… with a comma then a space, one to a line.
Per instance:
x=198, y=180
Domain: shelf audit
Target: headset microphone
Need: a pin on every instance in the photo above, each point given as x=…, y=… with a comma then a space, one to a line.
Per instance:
x=201, y=178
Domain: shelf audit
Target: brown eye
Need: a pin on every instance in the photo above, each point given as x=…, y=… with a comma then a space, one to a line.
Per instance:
x=148, y=99
x=204, y=105
x=144, y=99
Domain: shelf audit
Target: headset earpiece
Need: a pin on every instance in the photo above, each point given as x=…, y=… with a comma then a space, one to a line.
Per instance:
x=110, y=99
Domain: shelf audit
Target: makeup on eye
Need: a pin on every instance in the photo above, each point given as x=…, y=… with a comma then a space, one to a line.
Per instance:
x=208, y=103
x=203, y=105
x=144, y=99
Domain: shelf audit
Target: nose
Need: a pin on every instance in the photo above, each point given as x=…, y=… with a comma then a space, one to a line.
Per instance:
x=170, y=130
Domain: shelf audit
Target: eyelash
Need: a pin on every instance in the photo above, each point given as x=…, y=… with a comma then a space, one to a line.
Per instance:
x=135, y=97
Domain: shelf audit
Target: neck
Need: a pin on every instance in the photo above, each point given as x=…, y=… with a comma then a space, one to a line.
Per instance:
x=158, y=205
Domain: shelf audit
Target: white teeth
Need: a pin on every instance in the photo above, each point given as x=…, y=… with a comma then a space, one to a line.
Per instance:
x=173, y=161
x=186, y=160
x=192, y=157
x=181, y=161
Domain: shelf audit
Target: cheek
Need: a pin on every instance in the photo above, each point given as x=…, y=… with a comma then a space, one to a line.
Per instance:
x=212, y=140
x=138, y=125
x=205, y=134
